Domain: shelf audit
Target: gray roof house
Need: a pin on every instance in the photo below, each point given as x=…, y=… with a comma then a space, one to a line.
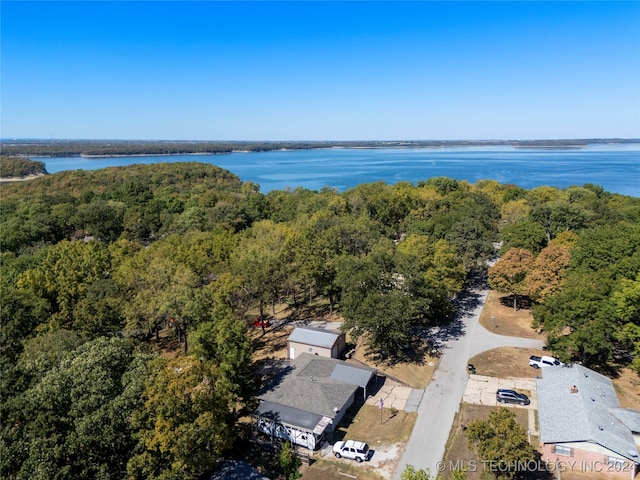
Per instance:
x=317, y=341
x=580, y=416
x=313, y=393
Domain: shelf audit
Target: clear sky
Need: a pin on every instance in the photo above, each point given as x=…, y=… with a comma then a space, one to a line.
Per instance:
x=320, y=70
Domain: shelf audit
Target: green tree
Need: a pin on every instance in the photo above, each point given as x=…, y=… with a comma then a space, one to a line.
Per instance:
x=627, y=308
x=411, y=473
x=225, y=342
x=523, y=234
x=102, y=219
x=289, y=462
x=182, y=429
x=315, y=249
x=559, y=216
x=502, y=440
x=579, y=320
x=74, y=421
x=65, y=275
x=373, y=301
x=260, y=263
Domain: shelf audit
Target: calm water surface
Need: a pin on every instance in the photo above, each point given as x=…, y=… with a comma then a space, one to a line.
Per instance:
x=614, y=167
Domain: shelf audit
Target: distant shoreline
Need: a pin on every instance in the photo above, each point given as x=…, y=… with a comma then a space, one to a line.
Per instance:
x=139, y=148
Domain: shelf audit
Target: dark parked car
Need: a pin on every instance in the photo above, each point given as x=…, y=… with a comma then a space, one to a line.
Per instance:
x=511, y=396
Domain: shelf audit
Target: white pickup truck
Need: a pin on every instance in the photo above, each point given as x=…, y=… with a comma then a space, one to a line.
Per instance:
x=544, y=361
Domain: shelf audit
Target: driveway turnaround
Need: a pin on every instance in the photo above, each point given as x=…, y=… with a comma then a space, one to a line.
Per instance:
x=481, y=390
x=441, y=399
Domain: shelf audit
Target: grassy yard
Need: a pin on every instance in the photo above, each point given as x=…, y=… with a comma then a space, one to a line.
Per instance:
x=506, y=362
x=498, y=316
x=378, y=428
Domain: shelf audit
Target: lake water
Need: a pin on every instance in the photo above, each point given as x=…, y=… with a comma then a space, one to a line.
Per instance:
x=614, y=167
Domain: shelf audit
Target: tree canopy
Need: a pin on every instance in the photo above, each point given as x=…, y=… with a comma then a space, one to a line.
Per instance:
x=95, y=264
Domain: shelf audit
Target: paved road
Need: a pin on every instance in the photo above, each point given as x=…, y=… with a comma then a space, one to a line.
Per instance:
x=441, y=400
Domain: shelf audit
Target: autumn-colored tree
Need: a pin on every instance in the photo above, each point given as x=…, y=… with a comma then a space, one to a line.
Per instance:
x=548, y=272
x=508, y=274
x=567, y=238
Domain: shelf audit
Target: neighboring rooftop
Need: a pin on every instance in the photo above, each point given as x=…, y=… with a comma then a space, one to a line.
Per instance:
x=576, y=404
x=235, y=470
x=318, y=337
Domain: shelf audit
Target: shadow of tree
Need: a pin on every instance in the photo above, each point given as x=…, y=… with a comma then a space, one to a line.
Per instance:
x=522, y=302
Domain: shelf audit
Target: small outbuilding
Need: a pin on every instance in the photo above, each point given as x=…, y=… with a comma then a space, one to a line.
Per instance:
x=316, y=341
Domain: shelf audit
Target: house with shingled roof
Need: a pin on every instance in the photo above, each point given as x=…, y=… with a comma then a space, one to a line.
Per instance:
x=307, y=399
x=582, y=425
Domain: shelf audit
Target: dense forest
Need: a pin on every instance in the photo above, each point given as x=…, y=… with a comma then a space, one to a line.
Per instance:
x=97, y=148
x=93, y=264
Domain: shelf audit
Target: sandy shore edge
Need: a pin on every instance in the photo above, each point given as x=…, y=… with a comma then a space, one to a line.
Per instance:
x=21, y=179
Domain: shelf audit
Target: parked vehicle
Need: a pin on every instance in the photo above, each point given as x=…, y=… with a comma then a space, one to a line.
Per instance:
x=511, y=396
x=261, y=322
x=536, y=361
x=358, y=451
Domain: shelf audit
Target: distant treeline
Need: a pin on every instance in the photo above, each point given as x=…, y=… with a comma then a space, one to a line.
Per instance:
x=68, y=148
x=13, y=167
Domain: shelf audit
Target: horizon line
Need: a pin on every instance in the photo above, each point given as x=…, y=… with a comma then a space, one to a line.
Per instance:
x=583, y=139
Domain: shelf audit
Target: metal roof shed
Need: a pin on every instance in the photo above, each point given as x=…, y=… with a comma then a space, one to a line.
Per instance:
x=316, y=341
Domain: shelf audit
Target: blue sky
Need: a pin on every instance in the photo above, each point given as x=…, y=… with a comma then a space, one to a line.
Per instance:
x=320, y=70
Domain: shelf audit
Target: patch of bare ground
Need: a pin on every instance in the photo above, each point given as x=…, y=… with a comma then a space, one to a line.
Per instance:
x=499, y=316
x=21, y=179
x=167, y=343
x=415, y=373
x=627, y=386
x=272, y=342
x=506, y=362
x=327, y=469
